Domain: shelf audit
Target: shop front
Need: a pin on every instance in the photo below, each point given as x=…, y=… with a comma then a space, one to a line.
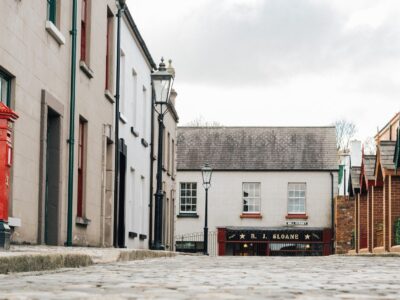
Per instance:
x=285, y=241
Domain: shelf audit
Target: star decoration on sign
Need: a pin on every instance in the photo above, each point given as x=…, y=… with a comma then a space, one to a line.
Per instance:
x=242, y=236
x=307, y=236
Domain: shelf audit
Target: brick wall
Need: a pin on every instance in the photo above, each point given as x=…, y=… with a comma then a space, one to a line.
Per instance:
x=395, y=203
x=378, y=217
x=363, y=221
x=344, y=223
x=386, y=213
x=369, y=220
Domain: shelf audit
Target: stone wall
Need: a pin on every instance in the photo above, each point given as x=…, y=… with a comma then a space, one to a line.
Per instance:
x=344, y=223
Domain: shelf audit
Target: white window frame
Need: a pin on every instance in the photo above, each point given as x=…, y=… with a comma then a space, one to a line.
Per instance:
x=297, y=197
x=252, y=200
x=186, y=197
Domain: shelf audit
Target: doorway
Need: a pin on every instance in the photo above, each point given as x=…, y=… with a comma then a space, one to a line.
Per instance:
x=119, y=213
x=53, y=182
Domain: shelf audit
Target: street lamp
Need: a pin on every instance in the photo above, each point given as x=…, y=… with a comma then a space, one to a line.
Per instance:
x=206, y=173
x=121, y=6
x=162, y=82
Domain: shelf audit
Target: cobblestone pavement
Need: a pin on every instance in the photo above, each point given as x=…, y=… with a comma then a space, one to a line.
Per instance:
x=197, y=277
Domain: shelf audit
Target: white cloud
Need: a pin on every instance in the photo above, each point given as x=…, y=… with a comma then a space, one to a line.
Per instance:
x=279, y=62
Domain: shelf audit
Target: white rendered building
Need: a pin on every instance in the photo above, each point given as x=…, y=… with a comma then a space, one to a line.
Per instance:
x=272, y=189
x=135, y=137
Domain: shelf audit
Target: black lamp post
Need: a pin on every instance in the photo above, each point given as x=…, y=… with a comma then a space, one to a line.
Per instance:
x=121, y=7
x=206, y=173
x=162, y=82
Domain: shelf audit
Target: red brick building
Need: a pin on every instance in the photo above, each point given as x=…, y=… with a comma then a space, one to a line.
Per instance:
x=377, y=207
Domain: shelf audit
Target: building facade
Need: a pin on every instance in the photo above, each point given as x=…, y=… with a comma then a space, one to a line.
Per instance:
x=135, y=136
x=271, y=193
x=35, y=65
x=377, y=209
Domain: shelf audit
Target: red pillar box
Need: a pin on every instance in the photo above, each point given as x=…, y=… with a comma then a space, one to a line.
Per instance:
x=7, y=118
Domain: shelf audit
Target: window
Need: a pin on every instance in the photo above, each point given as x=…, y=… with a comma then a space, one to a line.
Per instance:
x=297, y=198
x=144, y=113
x=109, y=49
x=169, y=153
x=134, y=98
x=81, y=166
x=173, y=158
x=5, y=88
x=122, y=86
x=52, y=11
x=85, y=31
x=188, y=197
x=251, y=197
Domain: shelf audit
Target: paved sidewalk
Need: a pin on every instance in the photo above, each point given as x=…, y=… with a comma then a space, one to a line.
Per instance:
x=198, y=277
x=39, y=258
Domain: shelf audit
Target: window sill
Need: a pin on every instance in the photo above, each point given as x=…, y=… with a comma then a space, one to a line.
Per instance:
x=82, y=221
x=85, y=69
x=251, y=216
x=122, y=118
x=109, y=96
x=144, y=143
x=297, y=216
x=183, y=215
x=134, y=132
x=55, y=32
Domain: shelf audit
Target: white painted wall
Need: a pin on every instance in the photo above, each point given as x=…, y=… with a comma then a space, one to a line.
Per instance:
x=135, y=112
x=225, y=199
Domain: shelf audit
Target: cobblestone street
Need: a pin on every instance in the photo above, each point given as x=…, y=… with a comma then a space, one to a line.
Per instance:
x=188, y=277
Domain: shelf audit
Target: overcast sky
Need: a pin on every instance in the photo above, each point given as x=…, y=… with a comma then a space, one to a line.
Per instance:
x=279, y=62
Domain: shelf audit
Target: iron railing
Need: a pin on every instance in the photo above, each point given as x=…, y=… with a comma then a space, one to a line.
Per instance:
x=194, y=243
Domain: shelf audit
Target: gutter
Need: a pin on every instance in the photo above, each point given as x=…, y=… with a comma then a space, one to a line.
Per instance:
x=71, y=139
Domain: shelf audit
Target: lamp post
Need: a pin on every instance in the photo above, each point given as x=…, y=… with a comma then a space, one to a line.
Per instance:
x=162, y=82
x=206, y=173
x=121, y=7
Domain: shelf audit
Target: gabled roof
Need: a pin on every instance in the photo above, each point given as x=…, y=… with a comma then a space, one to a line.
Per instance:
x=397, y=151
x=367, y=171
x=369, y=166
x=386, y=154
x=257, y=148
x=354, y=180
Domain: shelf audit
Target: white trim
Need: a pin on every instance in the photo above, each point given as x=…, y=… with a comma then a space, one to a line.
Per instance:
x=305, y=197
x=254, y=197
x=55, y=32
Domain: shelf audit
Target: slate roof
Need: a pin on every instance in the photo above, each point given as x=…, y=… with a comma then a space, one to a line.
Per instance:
x=369, y=166
x=355, y=173
x=386, y=150
x=257, y=148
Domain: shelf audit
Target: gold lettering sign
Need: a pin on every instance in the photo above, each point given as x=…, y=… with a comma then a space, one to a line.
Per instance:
x=284, y=236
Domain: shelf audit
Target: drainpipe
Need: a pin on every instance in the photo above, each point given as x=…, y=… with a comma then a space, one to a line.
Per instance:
x=151, y=172
x=121, y=7
x=71, y=139
x=333, y=212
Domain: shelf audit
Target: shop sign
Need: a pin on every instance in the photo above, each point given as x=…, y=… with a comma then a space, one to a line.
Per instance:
x=275, y=235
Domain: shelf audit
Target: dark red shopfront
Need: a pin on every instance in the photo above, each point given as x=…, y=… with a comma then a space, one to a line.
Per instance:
x=285, y=241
